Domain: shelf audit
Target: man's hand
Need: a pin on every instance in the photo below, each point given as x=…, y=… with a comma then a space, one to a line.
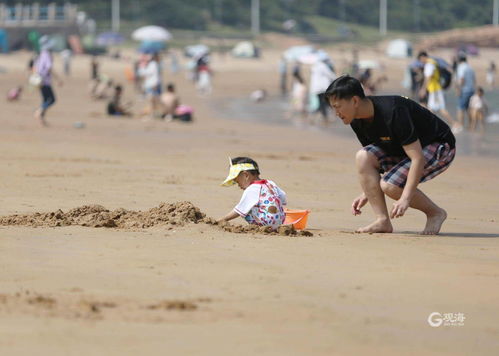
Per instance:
x=358, y=203
x=399, y=208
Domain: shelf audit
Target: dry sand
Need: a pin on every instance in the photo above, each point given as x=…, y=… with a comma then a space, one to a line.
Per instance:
x=188, y=288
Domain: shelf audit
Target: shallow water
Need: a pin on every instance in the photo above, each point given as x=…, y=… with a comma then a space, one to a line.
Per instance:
x=275, y=111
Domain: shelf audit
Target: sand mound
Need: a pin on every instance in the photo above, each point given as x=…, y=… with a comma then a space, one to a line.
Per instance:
x=174, y=214
x=178, y=213
x=284, y=230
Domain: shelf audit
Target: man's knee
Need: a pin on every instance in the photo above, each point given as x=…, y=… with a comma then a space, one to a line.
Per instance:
x=389, y=189
x=365, y=160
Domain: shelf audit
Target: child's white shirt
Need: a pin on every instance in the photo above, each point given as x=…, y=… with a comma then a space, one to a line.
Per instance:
x=477, y=102
x=251, y=197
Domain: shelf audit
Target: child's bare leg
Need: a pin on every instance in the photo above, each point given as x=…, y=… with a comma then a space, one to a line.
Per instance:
x=472, y=120
x=435, y=216
x=368, y=169
x=481, y=120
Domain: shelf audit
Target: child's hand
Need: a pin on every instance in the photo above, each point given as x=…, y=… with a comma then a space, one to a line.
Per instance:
x=358, y=203
x=230, y=216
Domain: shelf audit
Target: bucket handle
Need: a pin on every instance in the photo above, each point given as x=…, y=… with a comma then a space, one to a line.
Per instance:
x=300, y=218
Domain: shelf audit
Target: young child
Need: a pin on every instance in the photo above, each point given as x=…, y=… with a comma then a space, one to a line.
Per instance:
x=478, y=109
x=262, y=201
x=169, y=101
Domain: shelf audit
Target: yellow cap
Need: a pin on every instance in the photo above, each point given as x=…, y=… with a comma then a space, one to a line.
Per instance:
x=234, y=171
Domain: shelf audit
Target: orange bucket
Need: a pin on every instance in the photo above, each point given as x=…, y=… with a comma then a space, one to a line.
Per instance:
x=297, y=218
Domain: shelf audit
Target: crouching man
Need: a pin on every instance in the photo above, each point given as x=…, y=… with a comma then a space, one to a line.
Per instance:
x=404, y=144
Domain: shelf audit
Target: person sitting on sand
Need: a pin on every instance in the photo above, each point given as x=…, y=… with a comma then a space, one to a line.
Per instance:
x=169, y=102
x=262, y=201
x=14, y=94
x=115, y=107
x=404, y=141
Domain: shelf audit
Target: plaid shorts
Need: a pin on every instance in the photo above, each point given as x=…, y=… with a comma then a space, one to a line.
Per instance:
x=438, y=157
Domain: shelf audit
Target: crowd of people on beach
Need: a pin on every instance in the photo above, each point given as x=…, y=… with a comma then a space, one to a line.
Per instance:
x=306, y=96
x=162, y=101
x=431, y=76
x=404, y=142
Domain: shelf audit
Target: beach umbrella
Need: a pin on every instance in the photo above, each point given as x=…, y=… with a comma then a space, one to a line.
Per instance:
x=109, y=39
x=196, y=51
x=295, y=52
x=151, y=33
x=151, y=46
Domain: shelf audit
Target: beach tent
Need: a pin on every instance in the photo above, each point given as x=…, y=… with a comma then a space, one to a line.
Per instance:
x=4, y=43
x=245, y=49
x=399, y=48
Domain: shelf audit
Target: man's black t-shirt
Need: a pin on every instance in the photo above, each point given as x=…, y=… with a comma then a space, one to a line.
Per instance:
x=399, y=121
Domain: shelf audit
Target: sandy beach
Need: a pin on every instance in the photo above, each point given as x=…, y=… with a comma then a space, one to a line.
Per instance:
x=185, y=288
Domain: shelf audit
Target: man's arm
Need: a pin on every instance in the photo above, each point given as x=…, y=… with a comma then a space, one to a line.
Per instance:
x=415, y=152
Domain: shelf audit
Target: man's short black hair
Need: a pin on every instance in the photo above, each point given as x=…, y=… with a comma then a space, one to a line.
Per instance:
x=238, y=160
x=422, y=54
x=344, y=87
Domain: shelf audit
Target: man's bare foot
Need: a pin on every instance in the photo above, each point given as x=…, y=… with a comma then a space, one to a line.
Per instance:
x=380, y=225
x=434, y=222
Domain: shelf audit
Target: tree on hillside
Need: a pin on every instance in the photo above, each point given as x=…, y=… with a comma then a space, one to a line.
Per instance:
x=406, y=15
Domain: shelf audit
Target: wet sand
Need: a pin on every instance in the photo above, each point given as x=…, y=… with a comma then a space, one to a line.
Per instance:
x=197, y=289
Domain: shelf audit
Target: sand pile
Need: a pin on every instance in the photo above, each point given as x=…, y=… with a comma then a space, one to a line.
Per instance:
x=174, y=214
x=284, y=230
x=178, y=213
